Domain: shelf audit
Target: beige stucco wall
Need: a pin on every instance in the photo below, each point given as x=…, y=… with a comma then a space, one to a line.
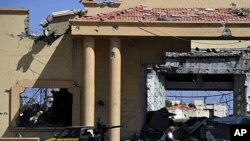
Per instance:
x=22, y=58
x=169, y=3
x=11, y=25
x=12, y=21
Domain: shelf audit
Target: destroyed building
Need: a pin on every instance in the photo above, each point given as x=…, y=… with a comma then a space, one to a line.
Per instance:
x=101, y=55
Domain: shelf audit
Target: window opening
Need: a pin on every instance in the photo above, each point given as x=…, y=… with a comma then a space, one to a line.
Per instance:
x=188, y=104
x=45, y=107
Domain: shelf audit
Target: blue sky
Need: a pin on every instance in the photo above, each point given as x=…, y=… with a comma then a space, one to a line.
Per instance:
x=40, y=9
x=209, y=97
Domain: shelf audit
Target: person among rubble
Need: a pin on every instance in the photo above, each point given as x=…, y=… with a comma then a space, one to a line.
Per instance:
x=170, y=134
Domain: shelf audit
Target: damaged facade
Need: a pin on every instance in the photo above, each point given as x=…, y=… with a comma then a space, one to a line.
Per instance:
x=99, y=59
x=228, y=67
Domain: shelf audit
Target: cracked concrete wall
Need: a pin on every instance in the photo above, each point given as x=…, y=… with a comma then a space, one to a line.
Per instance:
x=23, y=58
x=240, y=102
x=227, y=61
x=155, y=91
x=247, y=90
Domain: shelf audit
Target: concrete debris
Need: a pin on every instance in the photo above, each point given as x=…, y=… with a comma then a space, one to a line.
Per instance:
x=199, y=12
x=239, y=12
x=147, y=9
x=157, y=123
x=57, y=23
x=53, y=15
x=233, y=120
x=166, y=18
x=210, y=9
x=106, y=2
x=65, y=12
x=199, y=129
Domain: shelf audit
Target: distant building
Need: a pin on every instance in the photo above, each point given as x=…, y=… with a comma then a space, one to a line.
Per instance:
x=174, y=102
x=184, y=112
x=216, y=110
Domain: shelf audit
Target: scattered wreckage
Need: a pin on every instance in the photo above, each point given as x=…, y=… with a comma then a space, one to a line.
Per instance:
x=195, y=129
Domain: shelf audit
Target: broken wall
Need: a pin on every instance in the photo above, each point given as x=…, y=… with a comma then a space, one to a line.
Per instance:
x=137, y=52
x=22, y=58
x=155, y=91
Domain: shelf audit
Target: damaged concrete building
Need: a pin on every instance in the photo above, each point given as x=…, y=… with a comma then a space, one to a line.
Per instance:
x=210, y=69
x=100, y=56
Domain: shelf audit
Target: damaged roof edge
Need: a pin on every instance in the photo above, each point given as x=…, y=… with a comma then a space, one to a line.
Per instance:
x=160, y=23
x=58, y=14
x=14, y=10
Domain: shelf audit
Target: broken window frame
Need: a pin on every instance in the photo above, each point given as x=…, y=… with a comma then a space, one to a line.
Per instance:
x=45, y=107
x=20, y=86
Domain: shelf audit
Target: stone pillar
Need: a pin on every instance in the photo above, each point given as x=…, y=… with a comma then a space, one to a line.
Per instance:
x=115, y=88
x=239, y=104
x=88, y=95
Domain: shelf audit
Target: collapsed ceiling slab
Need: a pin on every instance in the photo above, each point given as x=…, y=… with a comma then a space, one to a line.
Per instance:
x=208, y=61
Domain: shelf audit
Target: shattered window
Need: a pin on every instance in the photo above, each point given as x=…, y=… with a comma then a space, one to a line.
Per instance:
x=45, y=107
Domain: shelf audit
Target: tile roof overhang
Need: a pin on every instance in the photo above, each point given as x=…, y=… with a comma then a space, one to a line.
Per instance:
x=181, y=22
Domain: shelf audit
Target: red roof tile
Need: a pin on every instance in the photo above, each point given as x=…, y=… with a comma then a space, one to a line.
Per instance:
x=144, y=13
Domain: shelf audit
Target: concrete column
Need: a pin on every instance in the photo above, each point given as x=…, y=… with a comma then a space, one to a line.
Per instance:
x=115, y=88
x=88, y=96
x=247, y=89
x=239, y=106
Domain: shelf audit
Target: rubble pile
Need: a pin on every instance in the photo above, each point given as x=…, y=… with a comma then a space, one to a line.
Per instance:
x=195, y=129
x=157, y=122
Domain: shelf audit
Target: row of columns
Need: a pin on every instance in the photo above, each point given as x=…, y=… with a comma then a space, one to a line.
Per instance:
x=88, y=95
